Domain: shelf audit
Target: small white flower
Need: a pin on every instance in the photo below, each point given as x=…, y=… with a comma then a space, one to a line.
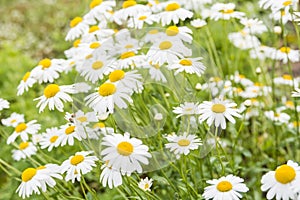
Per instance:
x=3, y=104
x=225, y=12
x=67, y=133
x=13, y=120
x=187, y=108
x=110, y=176
x=145, y=184
x=26, y=83
x=49, y=138
x=26, y=149
x=198, y=23
x=188, y=65
x=277, y=116
x=23, y=129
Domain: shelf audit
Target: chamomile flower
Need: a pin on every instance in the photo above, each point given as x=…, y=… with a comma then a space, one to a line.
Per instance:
x=13, y=120
x=49, y=138
x=46, y=175
x=97, y=34
x=78, y=27
x=110, y=177
x=286, y=54
x=225, y=11
x=217, y=111
x=188, y=65
x=283, y=182
x=3, y=104
x=98, y=8
x=30, y=183
x=244, y=40
x=67, y=133
x=187, y=108
x=253, y=26
x=54, y=96
x=79, y=164
x=26, y=149
x=139, y=20
x=182, y=33
x=240, y=78
x=283, y=15
x=286, y=79
x=155, y=71
x=225, y=188
x=277, y=116
x=23, y=129
x=145, y=184
x=129, y=59
x=182, y=144
x=124, y=153
x=26, y=83
x=262, y=52
x=81, y=118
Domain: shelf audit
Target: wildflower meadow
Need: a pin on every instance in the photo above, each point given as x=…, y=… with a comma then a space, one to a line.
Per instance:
x=150, y=100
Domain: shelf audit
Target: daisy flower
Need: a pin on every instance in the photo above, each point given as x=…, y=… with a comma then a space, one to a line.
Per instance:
x=3, y=104
x=188, y=65
x=155, y=71
x=283, y=182
x=227, y=187
x=79, y=164
x=253, y=26
x=82, y=119
x=26, y=83
x=217, y=111
x=182, y=144
x=49, y=138
x=23, y=129
x=244, y=40
x=198, y=23
x=13, y=120
x=67, y=133
x=26, y=149
x=277, y=116
x=139, y=20
x=98, y=8
x=129, y=59
x=82, y=87
x=286, y=79
x=145, y=184
x=47, y=70
x=78, y=27
x=187, y=108
x=225, y=11
x=54, y=96
x=182, y=33
x=124, y=153
x=286, y=54
x=110, y=177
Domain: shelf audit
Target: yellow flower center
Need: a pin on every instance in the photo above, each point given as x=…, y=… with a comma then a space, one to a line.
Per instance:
x=23, y=145
x=183, y=142
x=152, y=32
x=289, y=104
x=99, y=125
x=97, y=65
x=227, y=11
x=286, y=3
x=13, y=121
x=282, y=13
x=285, y=174
x=21, y=127
x=74, y=22
x=46, y=63
x=51, y=90
x=75, y=160
x=125, y=148
x=129, y=46
x=82, y=119
x=93, y=29
x=129, y=3
x=287, y=77
x=28, y=174
x=218, y=108
x=285, y=49
x=26, y=76
x=95, y=3
x=143, y=17
x=116, y=75
x=88, y=56
x=127, y=55
x=172, y=31
x=165, y=45
x=186, y=62
x=172, y=7
x=76, y=43
x=69, y=130
x=107, y=89
x=276, y=114
x=224, y=186
x=53, y=138
x=146, y=186
x=295, y=123
x=95, y=45
x=242, y=76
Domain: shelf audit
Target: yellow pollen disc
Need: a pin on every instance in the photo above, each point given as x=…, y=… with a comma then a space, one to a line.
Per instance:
x=93, y=29
x=129, y=46
x=75, y=160
x=127, y=55
x=76, y=43
x=156, y=66
x=21, y=127
x=41, y=167
x=72, y=63
x=116, y=75
x=88, y=56
x=128, y=3
x=218, y=108
x=289, y=104
x=276, y=115
x=186, y=62
x=99, y=125
x=28, y=174
x=152, y=32
x=95, y=3
x=172, y=7
x=46, y=63
x=74, y=22
x=172, y=31
x=282, y=13
x=143, y=17
x=146, y=186
x=295, y=123
x=23, y=145
x=53, y=138
x=285, y=174
x=107, y=89
x=285, y=49
x=69, y=130
x=125, y=148
x=95, y=45
x=51, y=90
x=26, y=76
x=229, y=11
x=242, y=76
x=97, y=65
x=82, y=119
x=165, y=45
x=287, y=3
x=13, y=121
x=183, y=142
x=287, y=77
x=224, y=186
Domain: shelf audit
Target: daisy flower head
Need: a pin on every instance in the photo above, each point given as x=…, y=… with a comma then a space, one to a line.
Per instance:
x=54, y=96
x=244, y=40
x=187, y=108
x=253, y=26
x=124, y=153
x=283, y=15
x=99, y=8
x=286, y=79
x=139, y=20
x=82, y=119
x=217, y=111
x=26, y=149
x=278, y=116
x=46, y=175
x=110, y=177
x=182, y=144
x=227, y=187
x=3, y=104
x=224, y=11
x=79, y=164
x=188, y=65
x=286, y=54
x=13, y=120
x=145, y=184
x=23, y=129
x=26, y=83
x=49, y=138
x=283, y=182
x=182, y=33
x=155, y=71
x=78, y=27
x=67, y=134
